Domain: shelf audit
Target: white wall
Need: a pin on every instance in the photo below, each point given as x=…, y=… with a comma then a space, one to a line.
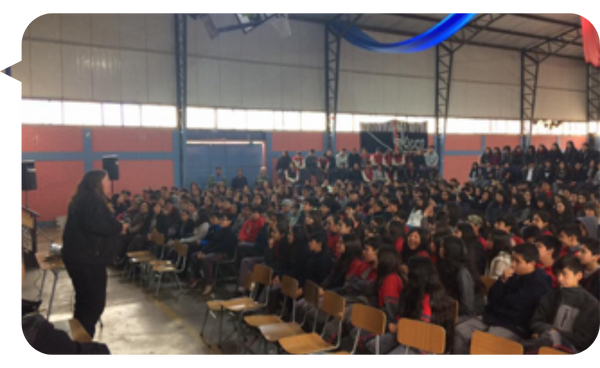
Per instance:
x=129, y=58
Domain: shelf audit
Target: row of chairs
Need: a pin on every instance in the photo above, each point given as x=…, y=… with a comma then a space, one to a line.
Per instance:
x=291, y=337
x=153, y=267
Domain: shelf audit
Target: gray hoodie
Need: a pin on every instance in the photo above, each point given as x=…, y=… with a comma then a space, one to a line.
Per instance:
x=591, y=225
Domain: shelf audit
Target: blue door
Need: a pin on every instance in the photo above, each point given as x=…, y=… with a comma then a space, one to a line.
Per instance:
x=202, y=159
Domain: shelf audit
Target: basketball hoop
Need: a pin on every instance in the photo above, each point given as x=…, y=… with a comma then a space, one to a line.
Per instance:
x=281, y=24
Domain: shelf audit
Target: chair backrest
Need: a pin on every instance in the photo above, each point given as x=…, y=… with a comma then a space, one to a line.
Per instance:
x=248, y=281
x=549, y=353
x=289, y=287
x=334, y=305
x=368, y=318
x=488, y=282
x=421, y=335
x=311, y=293
x=180, y=248
x=262, y=274
x=483, y=343
x=153, y=235
x=159, y=239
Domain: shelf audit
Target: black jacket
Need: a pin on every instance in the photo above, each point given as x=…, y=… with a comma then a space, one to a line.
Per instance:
x=91, y=233
x=186, y=229
x=43, y=337
x=311, y=162
x=512, y=304
x=239, y=183
x=592, y=283
x=573, y=312
x=353, y=158
x=572, y=155
x=283, y=162
x=318, y=267
x=224, y=241
x=294, y=259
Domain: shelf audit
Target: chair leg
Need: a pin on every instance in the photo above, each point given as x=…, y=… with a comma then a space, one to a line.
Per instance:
x=159, y=282
x=220, y=327
x=178, y=281
x=206, y=315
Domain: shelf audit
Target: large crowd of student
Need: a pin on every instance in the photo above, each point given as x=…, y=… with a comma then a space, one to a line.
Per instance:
x=391, y=233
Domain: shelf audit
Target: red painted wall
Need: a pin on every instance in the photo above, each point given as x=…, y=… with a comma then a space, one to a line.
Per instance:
x=136, y=175
x=349, y=141
x=132, y=140
x=459, y=142
x=502, y=140
x=297, y=141
x=458, y=167
x=546, y=140
x=51, y=139
x=57, y=182
x=578, y=141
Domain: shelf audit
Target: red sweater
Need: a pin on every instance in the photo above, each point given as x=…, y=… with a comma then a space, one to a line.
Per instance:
x=390, y=290
x=250, y=229
x=549, y=272
x=332, y=241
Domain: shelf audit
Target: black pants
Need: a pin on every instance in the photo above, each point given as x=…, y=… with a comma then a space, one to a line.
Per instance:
x=89, y=282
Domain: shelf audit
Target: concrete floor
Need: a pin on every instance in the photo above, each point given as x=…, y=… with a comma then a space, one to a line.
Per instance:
x=135, y=321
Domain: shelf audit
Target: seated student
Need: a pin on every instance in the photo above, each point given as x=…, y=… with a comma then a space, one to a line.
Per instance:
x=359, y=280
x=511, y=301
x=333, y=234
x=416, y=245
x=475, y=251
x=530, y=233
x=221, y=247
x=566, y=318
x=423, y=299
x=589, y=255
x=41, y=337
x=499, y=253
x=569, y=235
x=588, y=227
x=213, y=228
x=252, y=226
x=549, y=249
x=320, y=261
x=541, y=219
x=389, y=285
x=292, y=255
x=507, y=224
x=461, y=280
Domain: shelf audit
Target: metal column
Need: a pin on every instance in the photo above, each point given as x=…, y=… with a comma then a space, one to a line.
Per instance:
x=443, y=71
x=531, y=58
x=593, y=93
x=181, y=88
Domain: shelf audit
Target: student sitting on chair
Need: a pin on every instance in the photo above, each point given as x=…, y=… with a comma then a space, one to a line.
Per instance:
x=566, y=318
x=590, y=258
x=511, y=301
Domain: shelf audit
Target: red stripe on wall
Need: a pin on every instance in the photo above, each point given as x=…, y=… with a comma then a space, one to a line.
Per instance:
x=502, y=140
x=458, y=142
x=56, y=182
x=132, y=140
x=51, y=139
x=349, y=141
x=546, y=140
x=283, y=141
x=136, y=175
x=458, y=167
x=578, y=141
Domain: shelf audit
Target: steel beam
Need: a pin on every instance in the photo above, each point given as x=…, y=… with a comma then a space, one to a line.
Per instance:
x=181, y=88
x=593, y=94
x=547, y=20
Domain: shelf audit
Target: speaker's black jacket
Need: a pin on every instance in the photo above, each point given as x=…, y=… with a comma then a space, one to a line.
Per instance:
x=91, y=234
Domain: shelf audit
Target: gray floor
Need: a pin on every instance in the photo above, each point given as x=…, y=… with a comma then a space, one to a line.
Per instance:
x=135, y=321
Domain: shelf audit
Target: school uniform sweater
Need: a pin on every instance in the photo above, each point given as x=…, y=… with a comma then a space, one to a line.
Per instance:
x=549, y=272
x=319, y=265
x=250, y=230
x=389, y=295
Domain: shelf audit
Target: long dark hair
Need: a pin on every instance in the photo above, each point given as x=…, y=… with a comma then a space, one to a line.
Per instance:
x=396, y=231
x=342, y=265
x=455, y=258
x=91, y=185
x=500, y=242
x=388, y=262
x=424, y=279
x=407, y=253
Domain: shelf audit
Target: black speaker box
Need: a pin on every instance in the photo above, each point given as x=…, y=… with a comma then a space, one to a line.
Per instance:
x=110, y=164
x=29, y=179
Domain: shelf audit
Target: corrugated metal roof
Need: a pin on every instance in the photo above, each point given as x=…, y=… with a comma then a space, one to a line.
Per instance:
x=514, y=31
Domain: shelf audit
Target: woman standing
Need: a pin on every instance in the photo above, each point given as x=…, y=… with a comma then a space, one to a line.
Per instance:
x=90, y=239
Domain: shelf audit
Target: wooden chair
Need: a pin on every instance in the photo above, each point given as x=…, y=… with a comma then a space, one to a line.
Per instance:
x=333, y=307
x=274, y=332
x=421, y=335
x=214, y=307
x=369, y=319
x=236, y=308
x=78, y=333
x=289, y=288
x=483, y=343
x=161, y=268
x=231, y=262
x=549, y=353
x=488, y=282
